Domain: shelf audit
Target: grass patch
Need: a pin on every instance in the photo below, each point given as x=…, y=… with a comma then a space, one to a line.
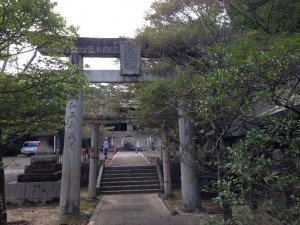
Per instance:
x=213, y=214
x=86, y=211
x=174, y=203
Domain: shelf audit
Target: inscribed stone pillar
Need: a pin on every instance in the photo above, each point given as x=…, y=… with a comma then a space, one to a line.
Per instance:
x=71, y=168
x=189, y=180
x=94, y=159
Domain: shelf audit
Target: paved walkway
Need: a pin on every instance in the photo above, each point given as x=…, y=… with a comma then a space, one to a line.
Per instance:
x=136, y=209
x=129, y=159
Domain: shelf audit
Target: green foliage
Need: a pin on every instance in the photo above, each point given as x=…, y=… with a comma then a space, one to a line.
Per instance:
x=236, y=63
x=34, y=89
x=265, y=172
x=271, y=16
x=107, y=100
x=155, y=103
x=34, y=23
x=255, y=70
x=181, y=31
x=33, y=99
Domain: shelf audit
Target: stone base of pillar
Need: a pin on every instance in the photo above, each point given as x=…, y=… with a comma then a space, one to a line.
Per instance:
x=42, y=168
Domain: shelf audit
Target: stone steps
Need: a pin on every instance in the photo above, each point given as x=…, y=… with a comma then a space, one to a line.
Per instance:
x=129, y=178
x=111, y=192
x=129, y=182
x=39, y=177
x=42, y=168
x=135, y=179
x=128, y=175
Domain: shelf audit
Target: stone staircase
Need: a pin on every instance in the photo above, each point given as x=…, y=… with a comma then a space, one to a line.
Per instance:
x=129, y=179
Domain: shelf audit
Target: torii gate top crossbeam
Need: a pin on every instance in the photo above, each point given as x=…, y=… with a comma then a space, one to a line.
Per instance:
x=122, y=48
x=100, y=47
x=94, y=47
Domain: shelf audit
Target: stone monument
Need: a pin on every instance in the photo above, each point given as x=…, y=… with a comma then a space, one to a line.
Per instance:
x=40, y=182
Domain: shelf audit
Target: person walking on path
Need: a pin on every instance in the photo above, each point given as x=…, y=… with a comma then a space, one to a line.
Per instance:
x=106, y=146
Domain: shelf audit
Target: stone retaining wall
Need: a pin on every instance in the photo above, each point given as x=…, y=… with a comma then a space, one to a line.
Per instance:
x=32, y=192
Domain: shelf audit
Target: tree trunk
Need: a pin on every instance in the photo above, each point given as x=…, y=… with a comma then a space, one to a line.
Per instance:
x=3, y=216
x=191, y=199
x=227, y=212
x=253, y=200
x=289, y=203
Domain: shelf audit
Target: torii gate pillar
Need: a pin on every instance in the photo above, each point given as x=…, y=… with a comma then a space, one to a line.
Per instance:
x=71, y=170
x=94, y=159
x=191, y=199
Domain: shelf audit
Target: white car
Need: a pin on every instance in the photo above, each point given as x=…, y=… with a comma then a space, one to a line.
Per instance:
x=30, y=147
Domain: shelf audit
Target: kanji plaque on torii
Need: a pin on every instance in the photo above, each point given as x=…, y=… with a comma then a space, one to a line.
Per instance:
x=130, y=57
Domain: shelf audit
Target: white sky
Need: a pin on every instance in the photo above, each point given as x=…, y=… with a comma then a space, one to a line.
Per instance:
x=104, y=19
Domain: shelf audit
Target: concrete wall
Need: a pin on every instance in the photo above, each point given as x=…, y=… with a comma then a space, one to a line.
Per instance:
x=33, y=192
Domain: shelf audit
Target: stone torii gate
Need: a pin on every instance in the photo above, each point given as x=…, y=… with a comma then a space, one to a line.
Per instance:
x=130, y=72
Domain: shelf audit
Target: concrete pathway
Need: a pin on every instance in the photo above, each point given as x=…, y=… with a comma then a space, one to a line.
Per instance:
x=129, y=159
x=136, y=209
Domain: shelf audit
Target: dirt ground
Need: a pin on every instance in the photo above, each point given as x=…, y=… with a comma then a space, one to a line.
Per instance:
x=32, y=215
x=49, y=214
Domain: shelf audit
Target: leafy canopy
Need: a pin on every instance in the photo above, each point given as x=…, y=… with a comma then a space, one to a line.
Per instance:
x=34, y=88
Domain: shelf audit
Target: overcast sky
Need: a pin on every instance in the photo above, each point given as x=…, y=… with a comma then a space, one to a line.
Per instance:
x=104, y=19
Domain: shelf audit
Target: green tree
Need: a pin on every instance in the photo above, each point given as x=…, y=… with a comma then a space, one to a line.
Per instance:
x=255, y=80
x=236, y=59
x=33, y=89
x=271, y=16
x=156, y=111
x=154, y=104
x=260, y=71
x=182, y=31
x=265, y=171
x=180, y=34
x=107, y=99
